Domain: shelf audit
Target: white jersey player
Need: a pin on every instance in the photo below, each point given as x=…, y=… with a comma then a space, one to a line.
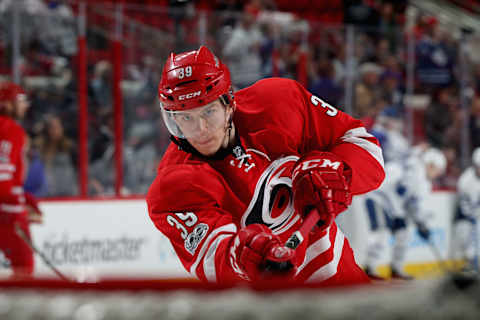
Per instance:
x=401, y=198
x=468, y=211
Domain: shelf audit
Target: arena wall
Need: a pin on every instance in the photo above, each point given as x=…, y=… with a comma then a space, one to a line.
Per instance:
x=110, y=238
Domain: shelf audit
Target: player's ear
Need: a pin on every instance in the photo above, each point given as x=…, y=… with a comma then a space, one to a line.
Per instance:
x=230, y=108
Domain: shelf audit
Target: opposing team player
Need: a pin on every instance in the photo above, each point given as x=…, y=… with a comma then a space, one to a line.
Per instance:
x=465, y=236
x=399, y=200
x=245, y=169
x=14, y=252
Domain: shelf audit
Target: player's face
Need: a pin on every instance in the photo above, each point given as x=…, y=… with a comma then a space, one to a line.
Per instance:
x=21, y=106
x=433, y=172
x=204, y=127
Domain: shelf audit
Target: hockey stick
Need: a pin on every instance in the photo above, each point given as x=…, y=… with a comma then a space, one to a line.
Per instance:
x=475, y=245
x=433, y=248
x=295, y=240
x=436, y=253
x=298, y=236
x=25, y=238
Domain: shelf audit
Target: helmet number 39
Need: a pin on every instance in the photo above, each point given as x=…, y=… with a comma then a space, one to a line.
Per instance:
x=185, y=72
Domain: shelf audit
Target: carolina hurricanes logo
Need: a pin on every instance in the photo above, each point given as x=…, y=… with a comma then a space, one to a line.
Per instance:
x=272, y=203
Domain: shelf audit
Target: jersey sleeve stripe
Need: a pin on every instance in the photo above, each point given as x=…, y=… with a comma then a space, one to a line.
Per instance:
x=316, y=249
x=7, y=167
x=209, y=261
x=330, y=269
x=359, y=137
x=6, y=176
x=18, y=190
x=12, y=208
x=231, y=228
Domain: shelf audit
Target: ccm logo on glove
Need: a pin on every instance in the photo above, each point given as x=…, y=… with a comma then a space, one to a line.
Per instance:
x=321, y=180
x=310, y=164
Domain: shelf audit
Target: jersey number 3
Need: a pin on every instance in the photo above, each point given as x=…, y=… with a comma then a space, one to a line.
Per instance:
x=331, y=111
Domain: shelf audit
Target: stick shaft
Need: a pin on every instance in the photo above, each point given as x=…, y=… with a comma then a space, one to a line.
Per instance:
x=25, y=238
x=298, y=236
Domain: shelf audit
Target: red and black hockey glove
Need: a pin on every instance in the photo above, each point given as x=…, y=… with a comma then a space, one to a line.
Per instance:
x=321, y=180
x=254, y=247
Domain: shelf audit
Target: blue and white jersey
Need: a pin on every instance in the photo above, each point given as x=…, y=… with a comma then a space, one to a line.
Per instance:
x=404, y=189
x=468, y=189
x=394, y=145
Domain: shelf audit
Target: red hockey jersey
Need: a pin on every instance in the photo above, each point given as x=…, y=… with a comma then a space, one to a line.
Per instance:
x=12, y=170
x=200, y=204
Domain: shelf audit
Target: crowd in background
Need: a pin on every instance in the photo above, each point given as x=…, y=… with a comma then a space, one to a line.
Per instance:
x=257, y=39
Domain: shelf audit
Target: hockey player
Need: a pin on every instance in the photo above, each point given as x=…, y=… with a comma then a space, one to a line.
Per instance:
x=15, y=253
x=245, y=169
x=400, y=199
x=465, y=237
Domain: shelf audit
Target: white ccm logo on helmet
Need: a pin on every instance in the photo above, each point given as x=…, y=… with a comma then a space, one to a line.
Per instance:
x=316, y=163
x=189, y=95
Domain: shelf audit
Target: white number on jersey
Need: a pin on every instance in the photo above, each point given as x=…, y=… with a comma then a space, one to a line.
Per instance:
x=188, y=218
x=331, y=111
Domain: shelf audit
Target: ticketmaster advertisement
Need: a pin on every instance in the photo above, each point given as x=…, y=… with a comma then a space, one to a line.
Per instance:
x=91, y=239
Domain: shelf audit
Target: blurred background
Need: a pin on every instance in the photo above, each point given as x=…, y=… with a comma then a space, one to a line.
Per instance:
x=91, y=69
x=409, y=69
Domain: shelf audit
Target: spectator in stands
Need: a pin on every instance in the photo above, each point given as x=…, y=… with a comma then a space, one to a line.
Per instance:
x=143, y=169
x=288, y=60
x=339, y=64
x=267, y=49
x=382, y=52
x=323, y=83
x=102, y=174
x=439, y=116
x=230, y=12
x=100, y=90
x=180, y=10
x=60, y=25
x=365, y=49
x=36, y=179
x=57, y=153
x=435, y=59
x=388, y=26
x=391, y=91
x=241, y=51
x=366, y=90
x=358, y=12
x=474, y=122
x=392, y=64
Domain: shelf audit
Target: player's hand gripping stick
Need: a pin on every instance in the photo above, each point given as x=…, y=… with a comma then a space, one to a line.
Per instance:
x=321, y=190
x=294, y=241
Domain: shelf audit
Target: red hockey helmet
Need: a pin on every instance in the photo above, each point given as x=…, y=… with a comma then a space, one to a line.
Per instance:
x=192, y=79
x=9, y=91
